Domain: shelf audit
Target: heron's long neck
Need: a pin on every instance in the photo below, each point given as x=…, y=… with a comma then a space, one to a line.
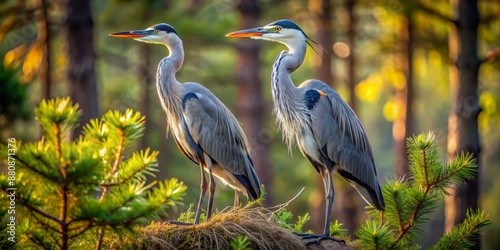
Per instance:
x=286, y=62
x=169, y=89
x=289, y=105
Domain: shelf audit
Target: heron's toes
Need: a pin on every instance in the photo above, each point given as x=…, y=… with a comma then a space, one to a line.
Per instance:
x=317, y=238
x=180, y=223
x=301, y=234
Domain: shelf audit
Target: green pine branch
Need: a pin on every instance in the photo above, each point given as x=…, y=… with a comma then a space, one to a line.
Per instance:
x=462, y=168
x=374, y=235
x=336, y=229
x=139, y=165
x=60, y=181
x=409, y=202
x=464, y=235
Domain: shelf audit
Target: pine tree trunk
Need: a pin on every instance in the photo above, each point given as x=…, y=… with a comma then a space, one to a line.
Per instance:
x=146, y=72
x=81, y=55
x=322, y=10
x=464, y=134
x=145, y=79
x=351, y=59
x=251, y=108
x=402, y=126
x=45, y=37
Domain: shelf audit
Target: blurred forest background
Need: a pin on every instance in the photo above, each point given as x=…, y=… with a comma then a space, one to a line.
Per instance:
x=404, y=66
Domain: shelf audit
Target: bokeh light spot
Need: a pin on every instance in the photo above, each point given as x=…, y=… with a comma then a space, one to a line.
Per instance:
x=341, y=49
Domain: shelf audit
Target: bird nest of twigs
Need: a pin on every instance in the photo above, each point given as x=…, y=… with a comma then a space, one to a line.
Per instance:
x=257, y=224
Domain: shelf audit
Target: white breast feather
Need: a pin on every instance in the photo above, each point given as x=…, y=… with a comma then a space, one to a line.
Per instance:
x=307, y=145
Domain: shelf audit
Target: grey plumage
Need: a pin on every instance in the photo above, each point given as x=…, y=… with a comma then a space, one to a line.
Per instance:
x=342, y=139
x=316, y=119
x=202, y=126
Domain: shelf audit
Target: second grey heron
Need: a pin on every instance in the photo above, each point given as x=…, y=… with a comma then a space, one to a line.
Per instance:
x=203, y=128
x=313, y=116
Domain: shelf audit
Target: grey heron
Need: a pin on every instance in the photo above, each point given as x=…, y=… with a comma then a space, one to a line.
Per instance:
x=315, y=118
x=203, y=128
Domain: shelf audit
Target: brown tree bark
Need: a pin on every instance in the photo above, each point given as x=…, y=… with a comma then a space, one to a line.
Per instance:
x=402, y=125
x=145, y=73
x=81, y=58
x=45, y=37
x=322, y=11
x=251, y=108
x=464, y=131
x=352, y=80
x=145, y=80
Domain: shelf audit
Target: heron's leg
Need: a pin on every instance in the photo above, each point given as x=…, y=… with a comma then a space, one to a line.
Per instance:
x=203, y=187
x=328, y=180
x=236, y=198
x=211, y=187
x=323, y=174
x=329, y=202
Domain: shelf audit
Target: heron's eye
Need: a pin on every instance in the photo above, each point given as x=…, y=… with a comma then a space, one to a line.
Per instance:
x=277, y=28
x=155, y=31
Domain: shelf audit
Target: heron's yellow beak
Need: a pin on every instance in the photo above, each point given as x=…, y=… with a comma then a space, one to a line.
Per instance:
x=247, y=33
x=132, y=34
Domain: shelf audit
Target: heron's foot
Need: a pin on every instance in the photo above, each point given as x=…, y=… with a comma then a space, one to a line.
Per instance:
x=179, y=223
x=301, y=234
x=317, y=238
